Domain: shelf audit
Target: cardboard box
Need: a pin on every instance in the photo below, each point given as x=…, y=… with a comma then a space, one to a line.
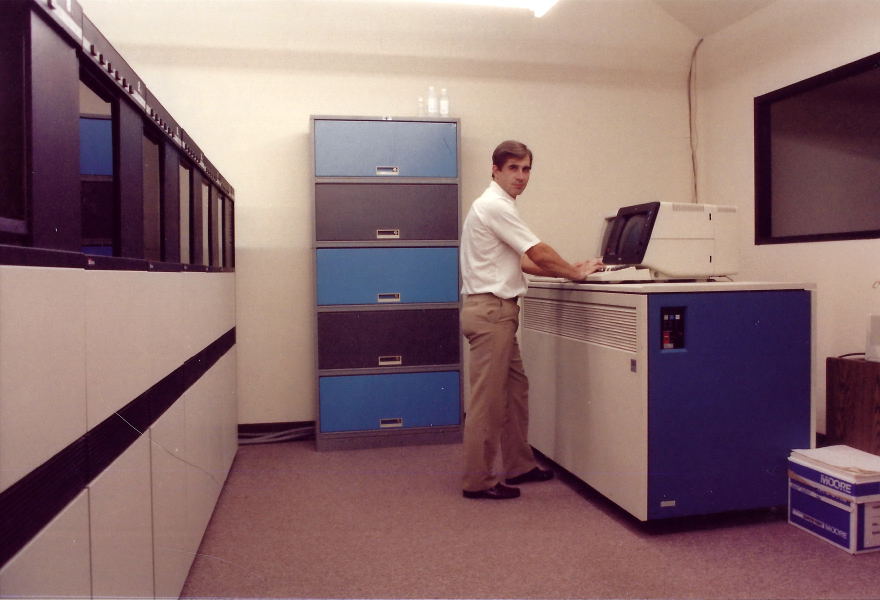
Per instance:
x=834, y=493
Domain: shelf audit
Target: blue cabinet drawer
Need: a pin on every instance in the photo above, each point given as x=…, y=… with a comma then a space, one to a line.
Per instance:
x=386, y=275
x=363, y=148
x=389, y=401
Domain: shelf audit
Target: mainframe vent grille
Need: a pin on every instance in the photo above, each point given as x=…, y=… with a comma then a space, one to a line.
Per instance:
x=602, y=324
x=682, y=207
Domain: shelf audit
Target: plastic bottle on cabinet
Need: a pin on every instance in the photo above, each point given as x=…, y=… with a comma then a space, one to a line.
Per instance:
x=432, y=101
x=444, y=103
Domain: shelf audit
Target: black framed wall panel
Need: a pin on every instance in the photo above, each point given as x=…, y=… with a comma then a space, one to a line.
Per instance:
x=817, y=157
x=53, y=78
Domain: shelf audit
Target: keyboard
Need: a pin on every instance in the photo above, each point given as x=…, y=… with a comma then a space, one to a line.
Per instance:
x=617, y=273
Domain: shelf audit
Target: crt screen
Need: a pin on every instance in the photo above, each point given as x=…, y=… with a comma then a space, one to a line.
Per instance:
x=631, y=236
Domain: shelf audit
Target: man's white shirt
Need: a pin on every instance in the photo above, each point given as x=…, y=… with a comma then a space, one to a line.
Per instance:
x=493, y=240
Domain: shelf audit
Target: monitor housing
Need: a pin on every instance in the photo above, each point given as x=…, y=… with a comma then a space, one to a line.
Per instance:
x=673, y=240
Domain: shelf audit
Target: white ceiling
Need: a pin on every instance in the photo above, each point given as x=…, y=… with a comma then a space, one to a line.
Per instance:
x=705, y=17
x=577, y=38
x=702, y=17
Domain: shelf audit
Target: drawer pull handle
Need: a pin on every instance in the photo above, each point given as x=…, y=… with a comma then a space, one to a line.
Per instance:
x=387, y=234
x=388, y=297
x=395, y=422
x=390, y=361
x=387, y=171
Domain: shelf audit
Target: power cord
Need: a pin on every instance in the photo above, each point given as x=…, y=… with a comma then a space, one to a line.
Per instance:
x=691, y=95
x=287, y=435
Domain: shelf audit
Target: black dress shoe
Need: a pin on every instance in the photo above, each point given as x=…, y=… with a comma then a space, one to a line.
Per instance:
x=536, y=474
x=499, y=491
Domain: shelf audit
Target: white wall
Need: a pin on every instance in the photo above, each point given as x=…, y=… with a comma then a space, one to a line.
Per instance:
x=597, y=89
x=786, y=42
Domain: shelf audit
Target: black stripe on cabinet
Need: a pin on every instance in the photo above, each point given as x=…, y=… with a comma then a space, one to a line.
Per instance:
x=25, y=256
x=21, y=256
x=32, y=502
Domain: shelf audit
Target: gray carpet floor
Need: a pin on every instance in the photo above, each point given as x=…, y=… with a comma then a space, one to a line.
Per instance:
x=391, y=523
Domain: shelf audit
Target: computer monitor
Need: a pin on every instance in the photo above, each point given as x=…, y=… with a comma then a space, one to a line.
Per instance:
x=675, y=240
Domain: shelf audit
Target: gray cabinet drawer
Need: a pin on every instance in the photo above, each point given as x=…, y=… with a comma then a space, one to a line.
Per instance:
x=408, y=211
x=389, y=338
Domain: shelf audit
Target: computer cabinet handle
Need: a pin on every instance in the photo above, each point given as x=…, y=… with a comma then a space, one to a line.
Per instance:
x=386, y=171
x=393, y=422
x=387, y=234
x=390, y=361
x=388, y=297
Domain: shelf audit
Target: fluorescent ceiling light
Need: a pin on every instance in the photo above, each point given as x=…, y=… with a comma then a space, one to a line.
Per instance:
x=538, y=7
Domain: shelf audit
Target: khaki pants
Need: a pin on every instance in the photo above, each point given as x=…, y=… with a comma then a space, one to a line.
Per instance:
x=498, y=411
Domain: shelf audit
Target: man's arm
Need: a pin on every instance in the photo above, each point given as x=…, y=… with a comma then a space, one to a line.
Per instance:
x=541, y=259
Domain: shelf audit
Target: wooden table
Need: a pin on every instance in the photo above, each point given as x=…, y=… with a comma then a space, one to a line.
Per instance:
x=853, y=403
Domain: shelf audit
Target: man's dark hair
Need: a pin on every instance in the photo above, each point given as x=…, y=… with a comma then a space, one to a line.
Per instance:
x=510, y=149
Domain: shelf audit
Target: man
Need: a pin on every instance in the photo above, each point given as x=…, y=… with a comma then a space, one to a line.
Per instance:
x=496, y=249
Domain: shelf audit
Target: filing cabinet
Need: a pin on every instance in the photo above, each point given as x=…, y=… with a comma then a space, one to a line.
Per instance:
x=386, y=237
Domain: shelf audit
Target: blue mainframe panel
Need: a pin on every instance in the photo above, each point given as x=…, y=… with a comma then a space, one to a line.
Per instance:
x=727, y=407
